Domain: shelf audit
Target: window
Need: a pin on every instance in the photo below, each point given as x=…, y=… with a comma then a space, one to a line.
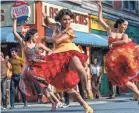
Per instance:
x=75, y=1
x=108, y=2
x=130, y=6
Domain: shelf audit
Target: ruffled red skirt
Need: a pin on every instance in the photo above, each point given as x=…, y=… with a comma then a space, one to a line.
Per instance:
x=122, y=65
x=56, y=70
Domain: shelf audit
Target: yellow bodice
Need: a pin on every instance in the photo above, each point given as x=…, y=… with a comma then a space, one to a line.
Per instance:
x=66, y=45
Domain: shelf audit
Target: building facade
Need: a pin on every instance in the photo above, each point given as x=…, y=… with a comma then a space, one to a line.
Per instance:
x=89, y=33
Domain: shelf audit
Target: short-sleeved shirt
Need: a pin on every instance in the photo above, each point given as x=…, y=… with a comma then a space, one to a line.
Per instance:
x=17, y=65
x=95, y=70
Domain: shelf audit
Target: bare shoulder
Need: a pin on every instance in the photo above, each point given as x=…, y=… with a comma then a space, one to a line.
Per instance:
x=126, y=35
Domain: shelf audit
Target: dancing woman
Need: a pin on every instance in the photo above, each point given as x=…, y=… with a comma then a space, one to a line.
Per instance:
x=29, y=79
x=122, y=58
x=64, y=68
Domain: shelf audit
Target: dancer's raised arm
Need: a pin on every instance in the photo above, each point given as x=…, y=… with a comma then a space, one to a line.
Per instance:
x=100, y=18
x=48, y=22
x=21, y=41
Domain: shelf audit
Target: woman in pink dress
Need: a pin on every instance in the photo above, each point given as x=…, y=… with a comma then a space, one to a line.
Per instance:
x=31, y=51
x=122, y=63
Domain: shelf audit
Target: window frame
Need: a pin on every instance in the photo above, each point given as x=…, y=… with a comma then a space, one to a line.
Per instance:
x=106, y=3
x=128, y=9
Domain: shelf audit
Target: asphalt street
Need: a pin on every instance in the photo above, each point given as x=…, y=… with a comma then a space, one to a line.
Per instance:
x=118, y=105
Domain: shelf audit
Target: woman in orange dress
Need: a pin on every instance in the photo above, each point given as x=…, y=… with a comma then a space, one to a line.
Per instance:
x=122, y=59
x=64, y=67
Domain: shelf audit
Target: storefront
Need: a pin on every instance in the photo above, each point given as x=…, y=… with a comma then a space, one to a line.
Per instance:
x=7, y=38
x=99, y=52
x=133, y=33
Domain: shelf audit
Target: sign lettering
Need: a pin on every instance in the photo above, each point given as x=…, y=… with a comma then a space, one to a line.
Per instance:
x=79, y=23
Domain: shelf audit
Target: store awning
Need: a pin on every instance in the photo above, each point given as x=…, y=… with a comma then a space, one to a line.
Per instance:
x=91, y=39
x=7, y=35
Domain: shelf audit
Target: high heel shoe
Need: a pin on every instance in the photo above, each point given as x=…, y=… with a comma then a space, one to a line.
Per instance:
x=90, y=95
x=89, y=110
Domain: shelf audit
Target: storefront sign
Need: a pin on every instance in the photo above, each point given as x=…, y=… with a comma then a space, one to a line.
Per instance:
x=97, y=26
x=6, y=19
x=80, y=23
x=22, y=10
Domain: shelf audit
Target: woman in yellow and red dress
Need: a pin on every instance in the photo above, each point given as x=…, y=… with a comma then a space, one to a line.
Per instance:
x=65, y=67
x=122, y=59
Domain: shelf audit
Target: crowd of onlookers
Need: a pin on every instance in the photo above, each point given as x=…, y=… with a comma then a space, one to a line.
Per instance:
x=11, y=68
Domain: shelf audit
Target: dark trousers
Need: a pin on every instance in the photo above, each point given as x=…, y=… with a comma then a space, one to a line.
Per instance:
x=3, y=91
x=81, y=89
x=67, y=99
x=15, y=79
x=95, y=86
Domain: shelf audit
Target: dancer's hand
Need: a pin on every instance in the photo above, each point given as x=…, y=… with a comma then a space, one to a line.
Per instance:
x=111, y=46
x=50, y=52
x=137, y=51
x=99, y=3
x=44, y=15
x=137, y=47
x=14, y=16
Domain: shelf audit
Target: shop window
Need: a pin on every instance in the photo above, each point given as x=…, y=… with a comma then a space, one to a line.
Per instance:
x=129, y=6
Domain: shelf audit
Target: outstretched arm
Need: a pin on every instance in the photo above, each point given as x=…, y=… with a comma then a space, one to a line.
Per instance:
x=100, y=18
x=48, y=22
x=21, y=41
x=137, y=46
x=45, y=48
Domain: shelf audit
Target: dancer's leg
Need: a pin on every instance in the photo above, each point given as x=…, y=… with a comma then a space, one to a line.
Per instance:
x=76, y=95
x=133, y=87
x=54, y=97
x=77, y=65
x=48, y=95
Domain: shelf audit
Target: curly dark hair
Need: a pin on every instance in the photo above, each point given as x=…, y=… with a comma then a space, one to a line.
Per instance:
x=119, y=21
x=63, y=12
x=29, y=34
x=14, y=49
